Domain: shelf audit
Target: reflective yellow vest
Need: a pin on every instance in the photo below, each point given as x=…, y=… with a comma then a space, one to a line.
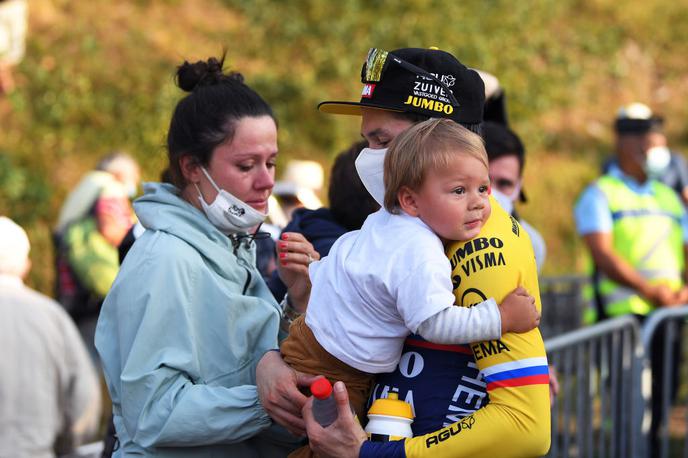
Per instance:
x=646, y=233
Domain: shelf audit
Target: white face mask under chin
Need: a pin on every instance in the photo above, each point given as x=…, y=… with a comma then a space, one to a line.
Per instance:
x=228, y=213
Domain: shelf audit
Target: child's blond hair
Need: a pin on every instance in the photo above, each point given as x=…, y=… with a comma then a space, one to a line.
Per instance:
x=431, y=144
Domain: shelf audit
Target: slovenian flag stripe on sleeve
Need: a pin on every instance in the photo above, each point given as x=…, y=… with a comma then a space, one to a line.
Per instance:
x=530, y=371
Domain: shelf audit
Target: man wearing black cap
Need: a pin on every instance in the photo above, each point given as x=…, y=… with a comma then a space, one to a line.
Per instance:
x=409, y=93
x=636, y=230
x=443, y=383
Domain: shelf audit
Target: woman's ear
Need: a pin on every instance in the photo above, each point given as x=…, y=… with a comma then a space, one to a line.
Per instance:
x=407, y=201
x=191, y=169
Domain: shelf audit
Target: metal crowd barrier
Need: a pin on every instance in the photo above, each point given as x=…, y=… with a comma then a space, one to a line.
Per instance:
x=665, y=329
x=562, y=303
x=598, y=369
x=605, y=406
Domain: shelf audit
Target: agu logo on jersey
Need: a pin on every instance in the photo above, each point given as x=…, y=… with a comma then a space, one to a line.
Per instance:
x=450, y=431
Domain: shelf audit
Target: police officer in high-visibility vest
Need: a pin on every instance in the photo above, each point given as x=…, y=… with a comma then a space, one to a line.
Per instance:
x=636, y=230
x=634, y=226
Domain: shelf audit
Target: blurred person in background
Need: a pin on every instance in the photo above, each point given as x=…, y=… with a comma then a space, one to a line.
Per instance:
x=495, y=99
x=506, y=154
x=137, y=229
x=636, y=230
x=298, y=187
x=49, y=393
x=93, y=222
x=675, y=175
x=634, y=226
x=189, y=321
x=349, y=205
x=13, y=25
x=669, y=166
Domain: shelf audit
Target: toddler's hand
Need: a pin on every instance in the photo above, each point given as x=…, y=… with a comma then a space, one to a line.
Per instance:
x=518, y=312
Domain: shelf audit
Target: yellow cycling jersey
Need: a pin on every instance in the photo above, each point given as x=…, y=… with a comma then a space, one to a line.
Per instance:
x=516, y=422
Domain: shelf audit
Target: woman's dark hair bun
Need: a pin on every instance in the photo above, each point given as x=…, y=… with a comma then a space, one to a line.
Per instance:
x=204, y=73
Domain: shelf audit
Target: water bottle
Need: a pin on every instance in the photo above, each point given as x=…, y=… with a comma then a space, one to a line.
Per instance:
x=389, y=419
x=324, y=404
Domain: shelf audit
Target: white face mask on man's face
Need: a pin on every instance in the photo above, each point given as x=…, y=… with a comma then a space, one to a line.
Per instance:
x=657, y=160
x=514, y=194
x=228, y=213
x=370, y=165
x=503, y=200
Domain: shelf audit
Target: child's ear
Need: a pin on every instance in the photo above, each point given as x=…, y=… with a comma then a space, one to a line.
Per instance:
x=407, y=201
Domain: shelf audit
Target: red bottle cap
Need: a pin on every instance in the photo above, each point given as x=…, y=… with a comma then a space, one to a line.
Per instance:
x=321, y=388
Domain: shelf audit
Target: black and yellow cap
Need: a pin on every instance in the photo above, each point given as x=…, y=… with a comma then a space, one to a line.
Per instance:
x=417, y=80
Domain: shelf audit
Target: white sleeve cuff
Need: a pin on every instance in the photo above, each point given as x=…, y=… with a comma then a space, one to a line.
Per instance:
x=460, y=325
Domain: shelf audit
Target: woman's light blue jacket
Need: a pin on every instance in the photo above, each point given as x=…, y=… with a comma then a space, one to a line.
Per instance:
x=180, y=334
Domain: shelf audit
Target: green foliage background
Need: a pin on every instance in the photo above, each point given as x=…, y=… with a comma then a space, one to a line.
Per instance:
x=98, y=76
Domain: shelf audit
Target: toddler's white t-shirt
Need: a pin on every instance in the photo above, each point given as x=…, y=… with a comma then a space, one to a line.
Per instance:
x=379, y=284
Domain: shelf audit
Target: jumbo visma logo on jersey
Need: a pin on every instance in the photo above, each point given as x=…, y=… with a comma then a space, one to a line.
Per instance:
x=474, y=256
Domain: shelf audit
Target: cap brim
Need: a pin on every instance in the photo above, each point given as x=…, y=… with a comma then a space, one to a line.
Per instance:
x=349, y=108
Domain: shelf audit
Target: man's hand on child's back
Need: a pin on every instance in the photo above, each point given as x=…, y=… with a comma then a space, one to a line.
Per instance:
x=518, y=312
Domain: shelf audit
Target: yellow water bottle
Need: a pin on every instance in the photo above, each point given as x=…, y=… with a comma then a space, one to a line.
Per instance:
x=389, y=419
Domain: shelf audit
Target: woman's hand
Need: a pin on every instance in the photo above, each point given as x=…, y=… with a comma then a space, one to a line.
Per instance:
x=294, y=254
x=278, y=391
x=344, y=437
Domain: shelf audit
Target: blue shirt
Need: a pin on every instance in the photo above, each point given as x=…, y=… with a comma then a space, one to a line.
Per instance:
x=592, y=212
